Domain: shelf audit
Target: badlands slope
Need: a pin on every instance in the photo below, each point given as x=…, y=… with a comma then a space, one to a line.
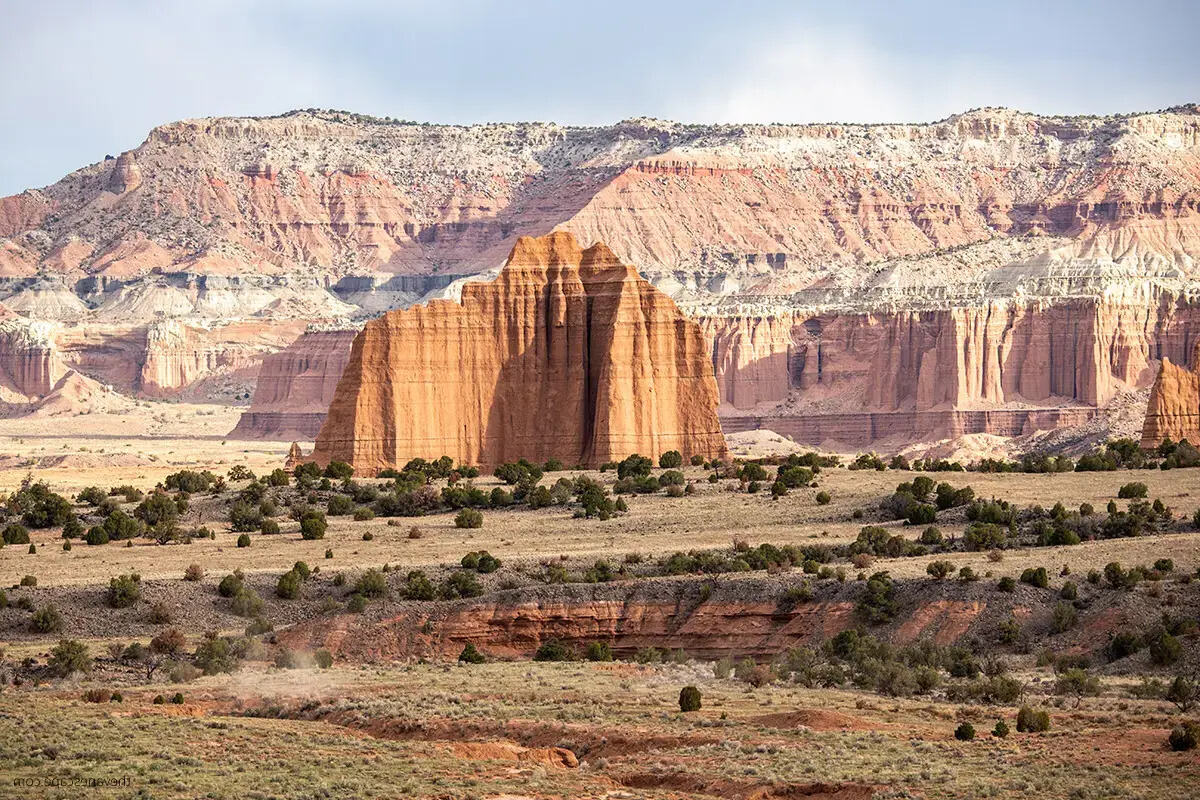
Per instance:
x=992, y=273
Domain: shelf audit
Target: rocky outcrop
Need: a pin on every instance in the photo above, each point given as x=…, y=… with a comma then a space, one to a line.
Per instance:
x=1173, y=411
x=30, y=365
x=567, y=354
x=296, y=386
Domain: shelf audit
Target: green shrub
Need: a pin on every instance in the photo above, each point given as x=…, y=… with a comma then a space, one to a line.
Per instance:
x=964, y=732
x=469, y=518
x=470, y=655
x=1001, y=730
x=1131, y=491
x=1036, y=577
x=1063, y=618
x=16, y=534
x=1165, y=649
x=671, y=459
x=599, y=651
x=339, y=470
x=418, y=586
x=356, y=604
x=313, y=525
x=339, y=506
x=553, y=649
x=245, y=517
x=46, y=619
x=939, y=569
x=371, y=584
x=243, y=540
x=823, y=498
x=689, y=699
x=96, y=535
x=29, y=580
x=247, y=603
x=69, y=656
x=1030, y=721
x=288, y=586
x=634, y=466
x=878, y=604
x=231, y=584
x=1184, y=737
x=124, y=590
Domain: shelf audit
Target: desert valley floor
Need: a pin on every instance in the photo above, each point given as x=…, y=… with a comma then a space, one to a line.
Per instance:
x=322, y=694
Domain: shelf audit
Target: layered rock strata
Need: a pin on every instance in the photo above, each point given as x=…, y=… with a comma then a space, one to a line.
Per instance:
x=567, y=354
x=296, y=386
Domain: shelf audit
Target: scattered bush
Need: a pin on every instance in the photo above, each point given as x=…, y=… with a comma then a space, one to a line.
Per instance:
x=689, y=699
x=312, y=525
x=964, y=732
x=46, y=619
x=124, y=590
x=1184, y=737
x=1132, y=491
x=553, y=649
x=671, y=459
x=468, y=518
x=599, y=651
x=69, y=656
x=470, y=655
x=231, y=584
x=1001, y=730
x=1030, y=721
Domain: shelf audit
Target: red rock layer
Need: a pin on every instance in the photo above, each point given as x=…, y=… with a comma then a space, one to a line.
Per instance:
x=568, y=354
x=1173, y=411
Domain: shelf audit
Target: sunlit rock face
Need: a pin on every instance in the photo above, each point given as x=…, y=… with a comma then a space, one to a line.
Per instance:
x=567, y=354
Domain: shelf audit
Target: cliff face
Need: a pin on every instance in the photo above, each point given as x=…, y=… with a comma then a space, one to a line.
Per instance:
x=296, y=386
x=30, y=366
x=1075, y=350
x=1173, y=411
x=568, y=354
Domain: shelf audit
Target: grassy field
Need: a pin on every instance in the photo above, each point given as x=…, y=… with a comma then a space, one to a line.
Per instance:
x=489, y=731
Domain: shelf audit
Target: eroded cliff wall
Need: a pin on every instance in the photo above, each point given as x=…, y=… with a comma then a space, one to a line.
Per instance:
x=1041, y=351
x=296, y=386
x=568, y=354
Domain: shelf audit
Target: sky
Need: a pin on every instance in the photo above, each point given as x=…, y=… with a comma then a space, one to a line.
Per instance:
x=80, y=79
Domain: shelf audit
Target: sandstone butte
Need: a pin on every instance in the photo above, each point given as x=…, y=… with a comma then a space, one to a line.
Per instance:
x=1173, y=411
x=568, y=354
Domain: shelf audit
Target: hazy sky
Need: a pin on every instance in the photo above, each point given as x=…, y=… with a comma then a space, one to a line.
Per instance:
x=82, y=78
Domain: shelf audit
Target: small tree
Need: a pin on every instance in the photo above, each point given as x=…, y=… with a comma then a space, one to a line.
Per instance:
x=672, y=459
x=1001, y=730
x=689, y=699
x=965, y=732
x=1076, y=683
x=1183, y=692
x=69, y=656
